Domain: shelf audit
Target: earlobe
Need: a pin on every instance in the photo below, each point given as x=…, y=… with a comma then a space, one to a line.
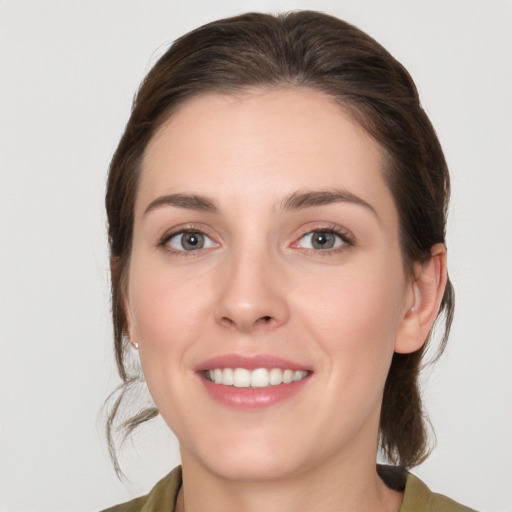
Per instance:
x=426, y=294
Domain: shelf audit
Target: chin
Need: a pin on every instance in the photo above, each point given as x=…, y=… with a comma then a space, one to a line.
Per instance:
x=250, y=458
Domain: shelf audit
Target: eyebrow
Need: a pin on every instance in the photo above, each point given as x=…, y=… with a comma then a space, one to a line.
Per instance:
x=308, y=199
x=186, y=201
x=295, y=201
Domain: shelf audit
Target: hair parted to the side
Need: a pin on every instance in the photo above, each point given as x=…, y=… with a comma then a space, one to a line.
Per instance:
x=297, y=49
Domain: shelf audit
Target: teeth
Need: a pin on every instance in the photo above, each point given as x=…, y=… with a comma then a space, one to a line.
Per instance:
x=287, y=376
x=275, y=376
x=241, y=378
x=228, y=377
x=298, y=375
x=259, y=378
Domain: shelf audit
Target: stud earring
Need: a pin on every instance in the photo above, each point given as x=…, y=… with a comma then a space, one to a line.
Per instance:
x=135, y=345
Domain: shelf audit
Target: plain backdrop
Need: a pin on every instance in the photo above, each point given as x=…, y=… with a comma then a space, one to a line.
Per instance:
x=68, y=72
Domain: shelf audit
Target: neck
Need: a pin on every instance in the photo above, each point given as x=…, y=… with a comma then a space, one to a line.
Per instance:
x=331, y=487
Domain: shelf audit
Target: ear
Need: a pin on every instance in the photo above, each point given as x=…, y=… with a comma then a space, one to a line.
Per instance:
x=425, y=292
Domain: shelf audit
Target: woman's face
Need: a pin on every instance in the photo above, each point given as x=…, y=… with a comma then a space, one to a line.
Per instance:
x=266, y=239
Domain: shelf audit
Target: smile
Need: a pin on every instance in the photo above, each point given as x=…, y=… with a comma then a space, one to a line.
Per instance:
x=258, y=378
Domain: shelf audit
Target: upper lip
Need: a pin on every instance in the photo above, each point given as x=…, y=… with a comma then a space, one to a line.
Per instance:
x=250, y=362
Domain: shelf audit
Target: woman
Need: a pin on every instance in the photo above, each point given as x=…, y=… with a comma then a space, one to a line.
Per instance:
x=277, y=210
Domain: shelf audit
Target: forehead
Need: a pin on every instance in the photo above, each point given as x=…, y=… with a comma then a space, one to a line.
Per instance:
x=266, y=143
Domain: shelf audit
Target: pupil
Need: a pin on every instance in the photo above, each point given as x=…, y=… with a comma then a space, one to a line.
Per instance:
x=192, y=241
x=323, y=241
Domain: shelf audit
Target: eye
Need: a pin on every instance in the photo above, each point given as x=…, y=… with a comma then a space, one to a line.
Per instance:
x=321, y=240
x=189, y=241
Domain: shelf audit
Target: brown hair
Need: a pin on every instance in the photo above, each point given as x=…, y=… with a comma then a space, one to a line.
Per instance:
x=298, y=49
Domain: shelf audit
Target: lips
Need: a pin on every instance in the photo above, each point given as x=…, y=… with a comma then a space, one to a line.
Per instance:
x=250, y=382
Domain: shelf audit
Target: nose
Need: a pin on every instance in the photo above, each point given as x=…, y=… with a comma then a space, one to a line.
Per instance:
x=252, y=293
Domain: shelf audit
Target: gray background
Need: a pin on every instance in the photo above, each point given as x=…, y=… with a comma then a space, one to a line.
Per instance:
x=68, y=71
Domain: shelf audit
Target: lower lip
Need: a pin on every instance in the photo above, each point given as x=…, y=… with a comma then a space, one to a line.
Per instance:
x=252, y=398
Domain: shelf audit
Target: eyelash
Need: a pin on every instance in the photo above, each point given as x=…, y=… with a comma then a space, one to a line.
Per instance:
x=164, y=241
x=345, y=236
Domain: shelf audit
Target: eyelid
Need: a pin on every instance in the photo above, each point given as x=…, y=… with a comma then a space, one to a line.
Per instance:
x=163, y=242
x=345, y=235
x=338, y=241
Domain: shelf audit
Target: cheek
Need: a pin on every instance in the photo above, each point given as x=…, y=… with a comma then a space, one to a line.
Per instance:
x=354, y=313
x=167, y=314
x=165, y=309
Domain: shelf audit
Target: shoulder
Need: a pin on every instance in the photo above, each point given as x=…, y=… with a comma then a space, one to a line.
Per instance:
x=419, y=498
x=130, y=506
x=161, y=497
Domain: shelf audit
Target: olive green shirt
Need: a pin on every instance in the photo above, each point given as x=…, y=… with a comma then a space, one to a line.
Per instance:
x=417, y=496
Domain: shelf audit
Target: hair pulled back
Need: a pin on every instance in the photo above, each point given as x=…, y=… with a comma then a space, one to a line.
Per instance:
x=298, y=49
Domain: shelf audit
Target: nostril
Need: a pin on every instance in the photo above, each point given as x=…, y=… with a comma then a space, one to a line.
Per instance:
x=247, y=323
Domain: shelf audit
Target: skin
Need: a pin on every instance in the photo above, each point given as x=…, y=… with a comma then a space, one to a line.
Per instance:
x=260, y=287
